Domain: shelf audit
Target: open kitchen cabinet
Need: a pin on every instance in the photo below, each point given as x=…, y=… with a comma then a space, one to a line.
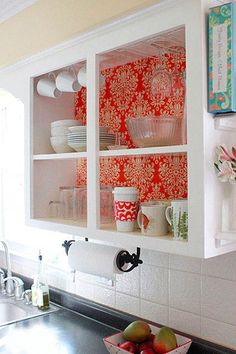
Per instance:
x=120, y=66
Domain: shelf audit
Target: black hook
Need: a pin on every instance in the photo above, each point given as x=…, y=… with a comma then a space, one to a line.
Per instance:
x=67, y=245
x=125, y=257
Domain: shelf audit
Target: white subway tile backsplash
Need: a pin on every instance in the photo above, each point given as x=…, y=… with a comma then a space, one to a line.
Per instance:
x=104, y=296
x=185, y=321
x=185, y=291
x=85, y=289
x=218, y=332
x=127, y=303
x=154, y=312
x=128, y=283
x=222, y=266
x=158, y=259
x=167, y=289
x=219, y=299
x=185, y=264
x=154, y=284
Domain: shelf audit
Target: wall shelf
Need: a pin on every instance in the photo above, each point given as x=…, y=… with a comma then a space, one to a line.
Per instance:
x=63, y=156
x=145, y=151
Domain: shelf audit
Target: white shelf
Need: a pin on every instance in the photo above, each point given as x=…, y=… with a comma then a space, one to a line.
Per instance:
x=62, y=156
x=145, y=151
x=61, y=225
x=226, y=236
x=134, y=239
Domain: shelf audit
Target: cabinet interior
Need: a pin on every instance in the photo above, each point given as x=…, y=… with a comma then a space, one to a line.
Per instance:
x=127, y=73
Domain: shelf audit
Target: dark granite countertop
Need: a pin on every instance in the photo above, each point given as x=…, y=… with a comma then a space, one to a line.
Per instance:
x=77, y=327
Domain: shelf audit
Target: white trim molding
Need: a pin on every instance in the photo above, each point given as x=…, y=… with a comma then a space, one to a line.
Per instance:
x=9, y=8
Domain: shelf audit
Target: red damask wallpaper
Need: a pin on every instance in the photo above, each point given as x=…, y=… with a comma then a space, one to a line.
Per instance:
x=128, y=93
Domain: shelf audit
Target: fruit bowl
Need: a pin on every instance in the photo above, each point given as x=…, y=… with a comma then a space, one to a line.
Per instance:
x=112, y=343
x=155, y=131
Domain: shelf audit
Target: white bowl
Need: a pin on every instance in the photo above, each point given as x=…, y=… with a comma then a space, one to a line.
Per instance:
x=112, y=343
x=66, y=123
x=60, y=145
x=59, y=130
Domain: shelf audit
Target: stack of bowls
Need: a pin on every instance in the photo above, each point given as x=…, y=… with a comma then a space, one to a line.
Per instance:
x=59, y=132
x=77, y=138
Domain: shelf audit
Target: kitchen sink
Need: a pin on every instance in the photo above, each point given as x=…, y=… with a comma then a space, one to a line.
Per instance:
x=12, y=310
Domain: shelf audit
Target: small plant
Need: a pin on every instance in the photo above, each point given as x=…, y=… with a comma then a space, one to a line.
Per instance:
x=226, y=164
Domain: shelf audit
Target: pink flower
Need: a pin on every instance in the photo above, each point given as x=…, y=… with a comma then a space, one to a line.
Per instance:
x=223, y=154
x=226, y=172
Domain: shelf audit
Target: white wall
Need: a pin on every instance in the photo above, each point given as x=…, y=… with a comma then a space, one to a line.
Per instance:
x=191, y=295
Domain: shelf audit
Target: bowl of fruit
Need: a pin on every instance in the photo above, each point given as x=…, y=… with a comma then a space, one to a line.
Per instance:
x=141, y=337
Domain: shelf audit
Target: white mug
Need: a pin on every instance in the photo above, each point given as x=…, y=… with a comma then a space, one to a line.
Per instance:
x=82, y=77
x=66, y=81
x=152, y=220
x=47, y=87
x=177, y=217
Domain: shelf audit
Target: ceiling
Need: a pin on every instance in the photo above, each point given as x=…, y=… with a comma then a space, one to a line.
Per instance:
x=9, y=8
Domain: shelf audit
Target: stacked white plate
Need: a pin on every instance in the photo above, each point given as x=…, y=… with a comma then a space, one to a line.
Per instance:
x=77, y=138
x=59, y=131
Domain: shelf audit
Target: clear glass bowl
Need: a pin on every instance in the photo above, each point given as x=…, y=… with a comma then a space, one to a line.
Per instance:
x=155, y=131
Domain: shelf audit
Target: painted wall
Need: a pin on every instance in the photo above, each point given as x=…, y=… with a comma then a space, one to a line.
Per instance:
x=47, y=23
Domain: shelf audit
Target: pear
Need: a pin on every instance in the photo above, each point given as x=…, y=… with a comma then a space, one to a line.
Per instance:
x=164, y=341
x=137, y=331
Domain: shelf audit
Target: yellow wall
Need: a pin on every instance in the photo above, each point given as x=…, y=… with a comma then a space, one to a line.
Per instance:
x=49, y=22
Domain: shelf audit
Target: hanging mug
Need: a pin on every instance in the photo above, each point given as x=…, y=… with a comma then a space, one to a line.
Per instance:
x=66, y=81
x=177, y=217
x=46, y=86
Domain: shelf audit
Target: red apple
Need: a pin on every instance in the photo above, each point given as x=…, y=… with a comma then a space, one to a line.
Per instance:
x=145, y=345
x=147, y=351
x=129, y=346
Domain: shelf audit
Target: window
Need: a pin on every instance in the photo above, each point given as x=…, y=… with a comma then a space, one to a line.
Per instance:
x=22, y=239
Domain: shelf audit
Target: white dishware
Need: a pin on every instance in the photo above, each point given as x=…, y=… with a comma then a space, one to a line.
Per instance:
x=126, y=207
x=177, y=217
x=47, y=87
x=78, y=147
x=60, y=145
x=82, y=77
x=66, y=123
x=152, y=220
x=66, y=81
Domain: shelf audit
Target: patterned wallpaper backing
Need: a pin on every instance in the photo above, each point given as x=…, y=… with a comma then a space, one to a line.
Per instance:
x=127, y=93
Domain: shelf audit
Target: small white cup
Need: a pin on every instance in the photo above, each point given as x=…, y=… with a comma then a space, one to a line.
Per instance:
x=126, y=206
x=47, y=87
x=82, y=77
x=152, y=220
x=66, y=81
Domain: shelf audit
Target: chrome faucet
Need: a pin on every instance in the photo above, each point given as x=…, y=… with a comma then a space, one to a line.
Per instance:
x=18, y=287
x=9, y=282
